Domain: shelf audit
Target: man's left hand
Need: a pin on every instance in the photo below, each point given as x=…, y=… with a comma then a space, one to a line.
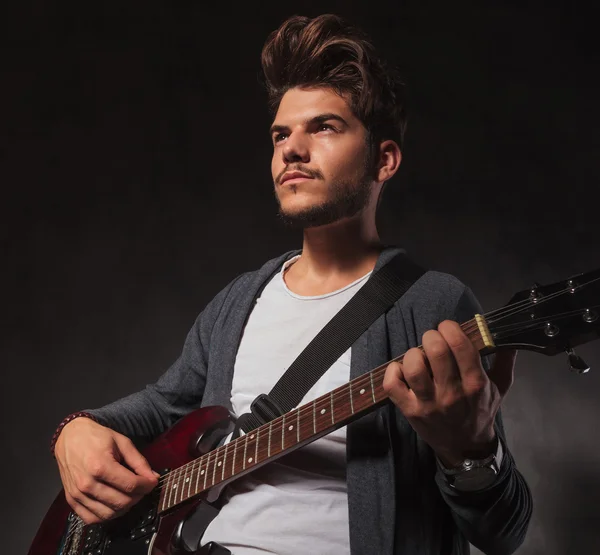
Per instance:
x=446, y=395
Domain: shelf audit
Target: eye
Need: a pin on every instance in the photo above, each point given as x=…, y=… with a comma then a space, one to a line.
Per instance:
x=324, y=126
x=278, y=137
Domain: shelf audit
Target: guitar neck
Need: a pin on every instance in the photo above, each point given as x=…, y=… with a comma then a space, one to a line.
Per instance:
x=286, y=433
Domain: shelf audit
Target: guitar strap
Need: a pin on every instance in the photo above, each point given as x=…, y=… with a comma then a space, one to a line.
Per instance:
x=374, y=298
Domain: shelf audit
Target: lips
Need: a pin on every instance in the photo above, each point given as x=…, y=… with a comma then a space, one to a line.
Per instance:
x=293, y=175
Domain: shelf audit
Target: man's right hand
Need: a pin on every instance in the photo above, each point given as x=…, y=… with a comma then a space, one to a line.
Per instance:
x=91, y=461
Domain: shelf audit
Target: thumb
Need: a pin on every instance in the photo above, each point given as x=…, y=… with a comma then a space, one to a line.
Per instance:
x=134, y=459
x=502, y=372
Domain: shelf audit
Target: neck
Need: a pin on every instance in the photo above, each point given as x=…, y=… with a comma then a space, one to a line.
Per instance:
x=345, y=246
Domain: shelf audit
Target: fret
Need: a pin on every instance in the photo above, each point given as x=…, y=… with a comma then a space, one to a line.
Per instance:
x=251, y=458
x=186, y=480
x=372, y=387
x=205, y=471
x=189, y=493
x=165, y=490
x=314, y=416
x=235, y=444
x=283, y=432
x=351, y=400
x=224, y=462
x=298, y=426
x=198, y=474
x=256, y=448
x=180, y=485
x=269, y=444
x=245, y=449
x=331, y=398
x=172, y=487
x=215, y=467
x=341, y=407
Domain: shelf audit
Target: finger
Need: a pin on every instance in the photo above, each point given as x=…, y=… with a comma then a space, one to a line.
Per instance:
x=444, y=368
x=466, y=355
x=415, y=369
x=144, y=478
x=113, y=473
x=502, y=372
x=133, y=458
x=108, y=495
x=87, y=516
x=395, y=387
x=99, y=511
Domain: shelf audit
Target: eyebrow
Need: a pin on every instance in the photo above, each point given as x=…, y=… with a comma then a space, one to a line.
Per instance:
x=317, y=119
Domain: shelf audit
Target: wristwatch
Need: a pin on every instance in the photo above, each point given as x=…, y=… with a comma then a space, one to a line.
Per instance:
x=474, y=474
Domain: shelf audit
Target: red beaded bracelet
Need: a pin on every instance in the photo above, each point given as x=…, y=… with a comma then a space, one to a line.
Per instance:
x=68, y=419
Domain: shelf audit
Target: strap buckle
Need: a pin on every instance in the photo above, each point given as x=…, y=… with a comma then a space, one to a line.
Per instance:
x=265, y=409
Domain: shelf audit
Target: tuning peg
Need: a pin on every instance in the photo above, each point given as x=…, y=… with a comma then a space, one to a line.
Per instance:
x=577, y=364
x=534, y=294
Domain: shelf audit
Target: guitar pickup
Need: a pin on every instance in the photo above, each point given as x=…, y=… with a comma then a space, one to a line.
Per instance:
x=93, y=538
x=142, y=532
x=150, y=517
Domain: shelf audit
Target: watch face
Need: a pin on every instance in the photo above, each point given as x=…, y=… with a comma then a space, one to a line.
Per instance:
x=474, y=479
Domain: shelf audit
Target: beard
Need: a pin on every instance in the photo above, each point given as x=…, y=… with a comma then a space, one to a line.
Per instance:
x=345, y=201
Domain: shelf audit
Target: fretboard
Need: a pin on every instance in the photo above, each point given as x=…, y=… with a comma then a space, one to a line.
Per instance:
x=282, y=435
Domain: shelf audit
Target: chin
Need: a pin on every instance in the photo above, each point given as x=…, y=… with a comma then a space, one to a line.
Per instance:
x=313, y=216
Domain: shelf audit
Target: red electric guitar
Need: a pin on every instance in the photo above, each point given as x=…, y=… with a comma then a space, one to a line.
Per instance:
x=546, y=319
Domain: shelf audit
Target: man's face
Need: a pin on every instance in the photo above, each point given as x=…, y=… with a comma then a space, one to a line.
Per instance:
x=320, y=158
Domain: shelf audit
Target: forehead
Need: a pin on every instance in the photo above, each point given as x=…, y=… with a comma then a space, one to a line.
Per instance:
x=299, y=105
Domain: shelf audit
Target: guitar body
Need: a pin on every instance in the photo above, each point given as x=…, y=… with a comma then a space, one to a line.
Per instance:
x=142, y=531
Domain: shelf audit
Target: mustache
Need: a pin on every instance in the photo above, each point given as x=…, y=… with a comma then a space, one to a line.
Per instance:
x=315, y=174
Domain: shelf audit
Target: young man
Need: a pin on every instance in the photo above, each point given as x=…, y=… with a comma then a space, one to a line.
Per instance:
x=381, y=485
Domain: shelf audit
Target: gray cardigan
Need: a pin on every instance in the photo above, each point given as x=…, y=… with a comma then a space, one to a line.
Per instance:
x=399, y=502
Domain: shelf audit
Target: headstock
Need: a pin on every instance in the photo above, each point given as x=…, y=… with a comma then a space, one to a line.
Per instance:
x=552, y=318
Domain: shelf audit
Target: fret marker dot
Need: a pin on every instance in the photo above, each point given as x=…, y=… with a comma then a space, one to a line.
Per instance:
x=361, y=391
x=187, y=480
x=202, y=472
x=291, y=428
x=323, y=411
x=174, y=486
x=219, y=463
x=250, y=459
x=252, y=436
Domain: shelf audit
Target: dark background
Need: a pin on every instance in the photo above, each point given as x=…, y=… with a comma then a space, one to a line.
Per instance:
x=136, y=183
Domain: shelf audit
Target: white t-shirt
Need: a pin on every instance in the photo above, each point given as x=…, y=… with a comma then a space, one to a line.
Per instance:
x=299, y=503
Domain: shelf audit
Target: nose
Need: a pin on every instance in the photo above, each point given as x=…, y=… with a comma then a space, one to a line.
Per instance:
x=296, y=149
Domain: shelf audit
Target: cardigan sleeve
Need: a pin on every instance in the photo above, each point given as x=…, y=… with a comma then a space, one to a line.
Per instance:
x=494, y=519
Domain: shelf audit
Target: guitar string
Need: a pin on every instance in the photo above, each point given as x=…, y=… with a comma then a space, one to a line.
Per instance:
x=496, y=315
x=261, y=450
x=491, y=316
x=73, y=527
x=305, y=409
x=70, y=531
x=320, y=403
x=276, y=424
x=535, y=323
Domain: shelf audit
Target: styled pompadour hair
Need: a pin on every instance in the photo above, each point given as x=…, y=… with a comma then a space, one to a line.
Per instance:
x=328, y=52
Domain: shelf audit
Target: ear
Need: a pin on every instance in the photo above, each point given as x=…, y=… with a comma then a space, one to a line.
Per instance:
x=389, y=160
